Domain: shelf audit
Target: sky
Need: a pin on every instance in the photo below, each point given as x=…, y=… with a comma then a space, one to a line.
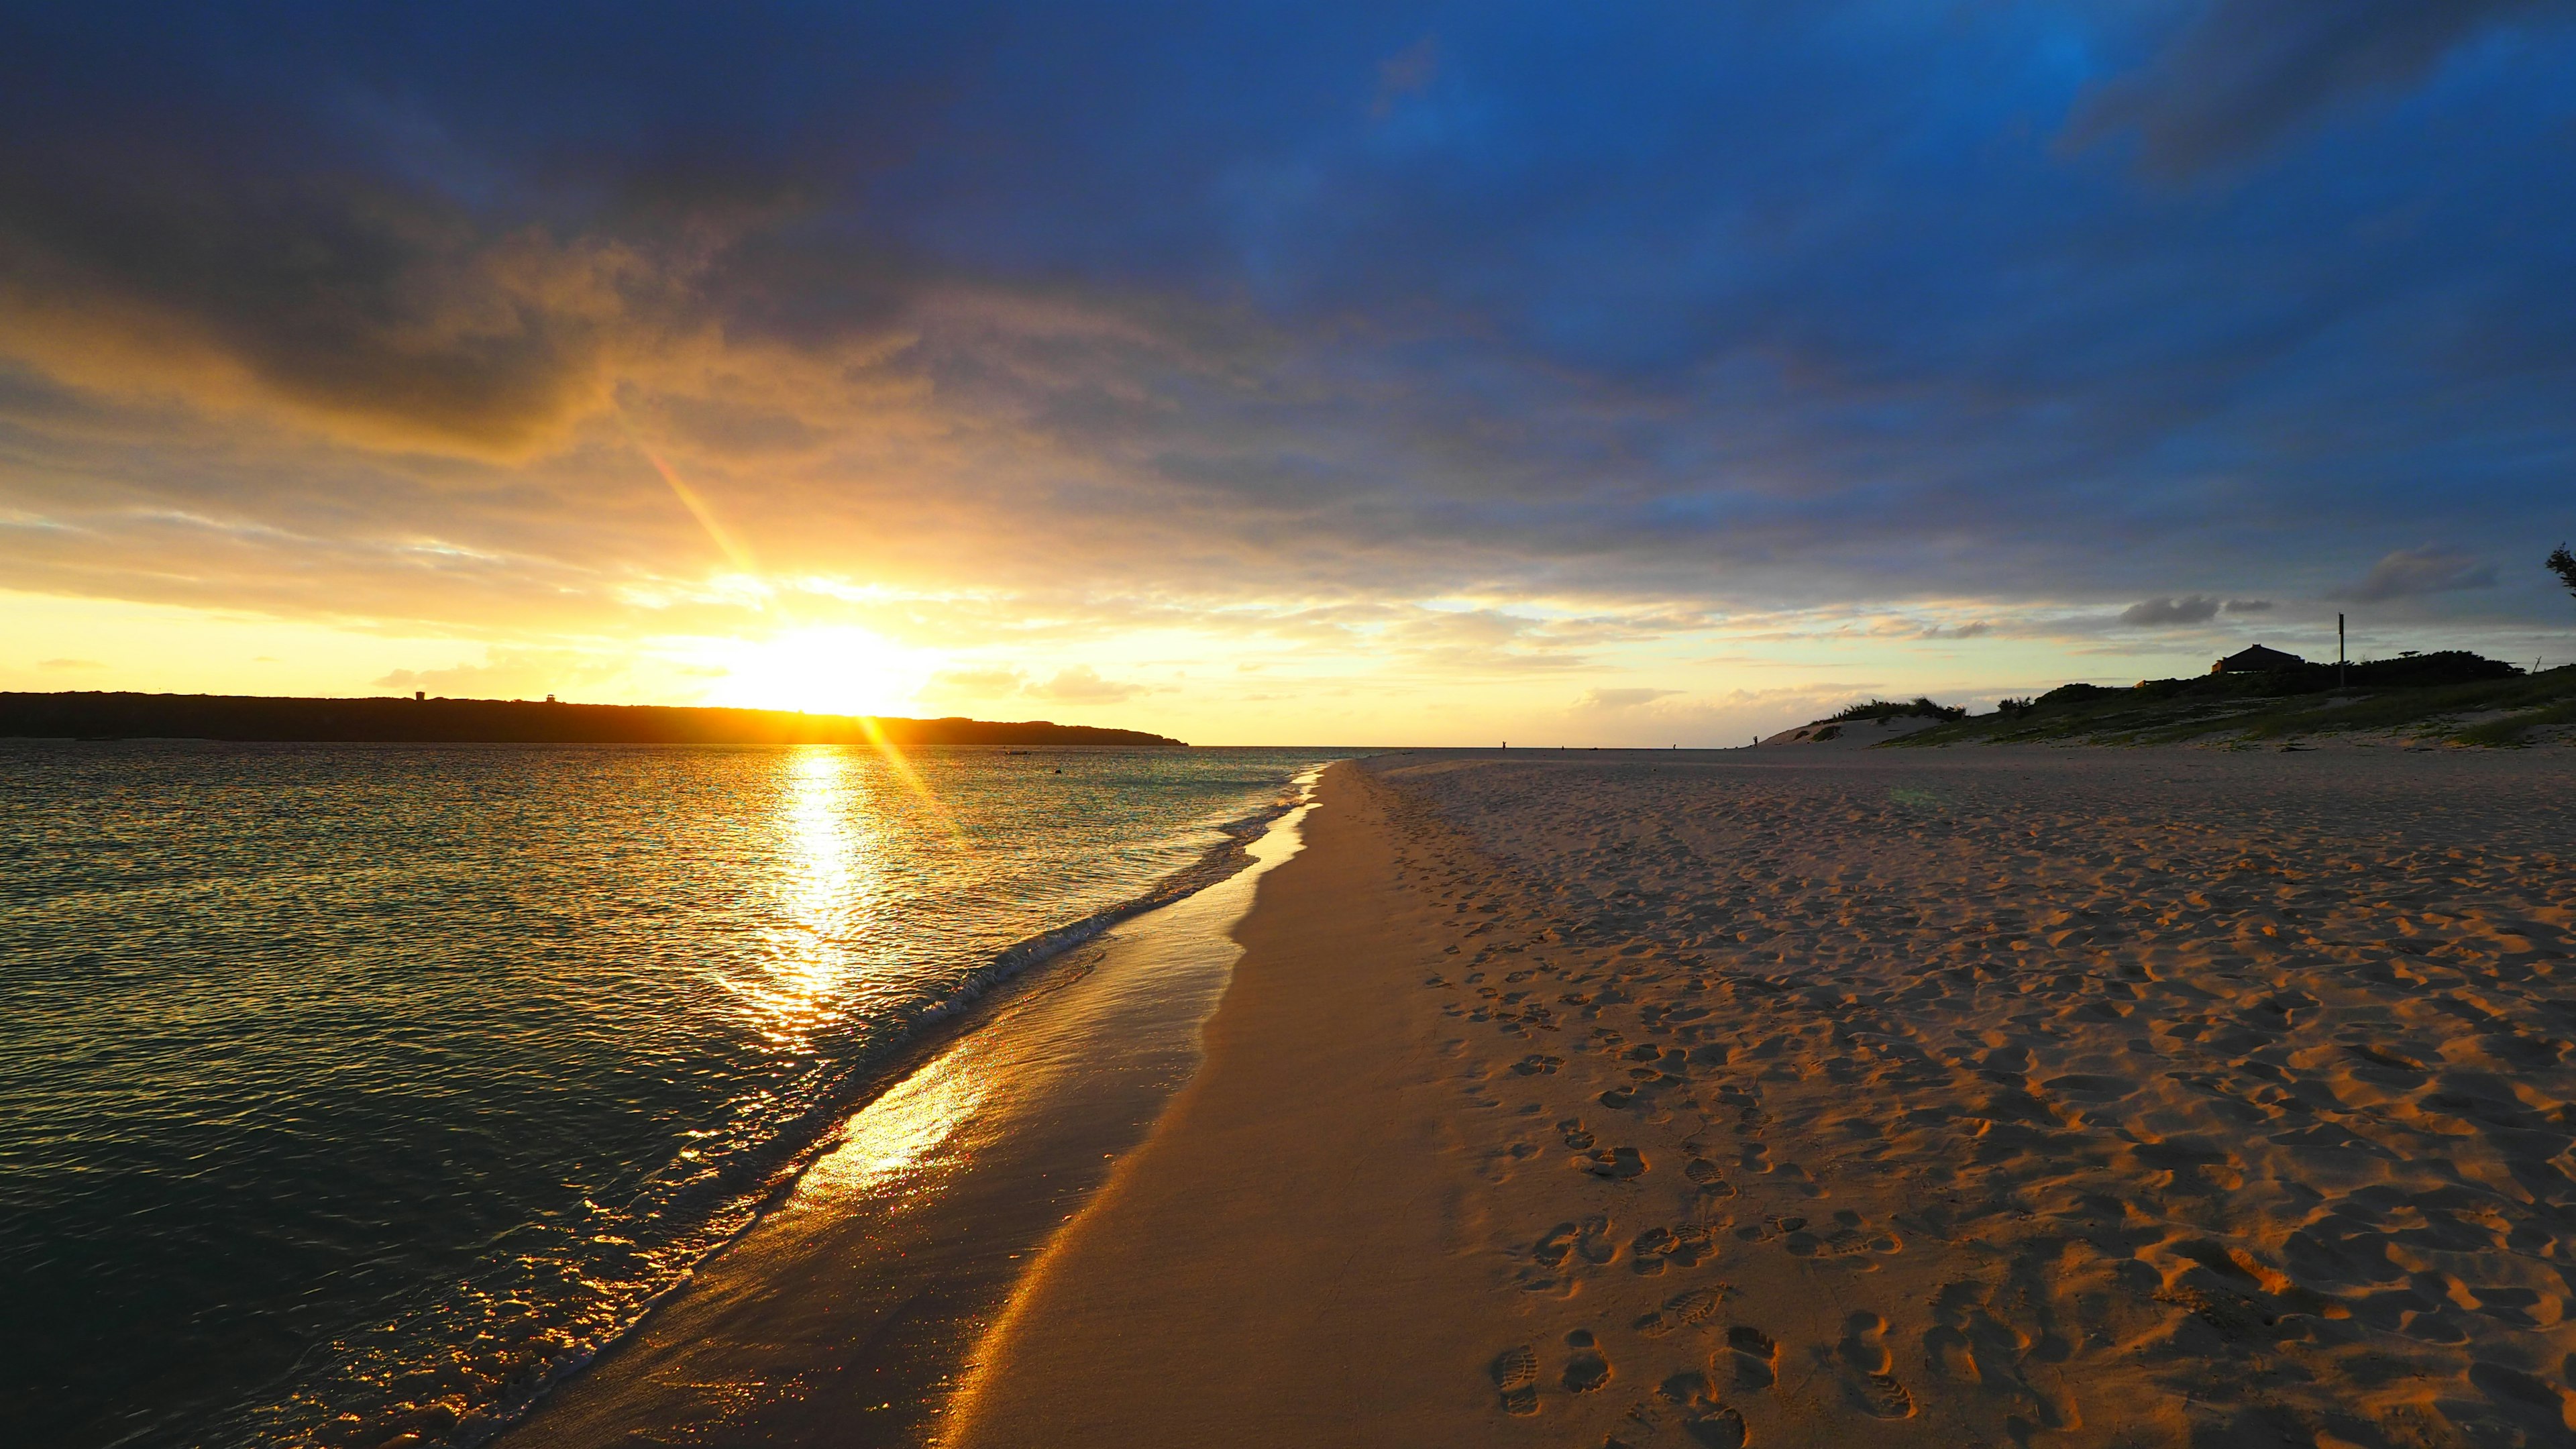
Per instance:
x=1330, y=373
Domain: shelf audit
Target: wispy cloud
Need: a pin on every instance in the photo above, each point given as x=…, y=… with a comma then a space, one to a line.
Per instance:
x=2411, y=573
x=1621, y=699
x=1083, y=684
x=2244, y=74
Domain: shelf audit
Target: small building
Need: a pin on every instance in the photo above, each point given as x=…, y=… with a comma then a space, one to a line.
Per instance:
x=2256, y=659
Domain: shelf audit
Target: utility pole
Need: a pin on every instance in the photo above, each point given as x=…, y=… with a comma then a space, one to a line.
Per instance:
x=2340, y=676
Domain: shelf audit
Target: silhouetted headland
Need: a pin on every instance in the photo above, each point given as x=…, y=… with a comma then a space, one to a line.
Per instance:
x=120, y=716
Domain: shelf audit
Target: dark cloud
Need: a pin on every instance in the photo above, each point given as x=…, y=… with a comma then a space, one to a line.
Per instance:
x=2409, y=573
x=2168, y=612
x=312, y=306
x=2247, y=73
x=2249, y=606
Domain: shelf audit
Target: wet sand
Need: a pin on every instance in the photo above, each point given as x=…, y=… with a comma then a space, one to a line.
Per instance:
x=2149, y=1097
x=845, y=1314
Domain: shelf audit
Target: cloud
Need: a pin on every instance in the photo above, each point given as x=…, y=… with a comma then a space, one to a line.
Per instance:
x=2246, y=73
x=1976, y=630
x=71, y=664
x=379, y=322
x=977, y=683
x=2168, y=612
x=1082, y=684
x=1620, y=699
x=1404, y=74
x=2249, y=606
x=389, y=324
x=2409, y=573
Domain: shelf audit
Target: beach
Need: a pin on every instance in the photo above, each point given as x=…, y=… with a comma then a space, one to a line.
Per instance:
x=2120, y=1097
x=374, y=1094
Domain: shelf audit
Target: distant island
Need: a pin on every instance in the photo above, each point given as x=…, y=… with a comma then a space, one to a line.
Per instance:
x=95, y=715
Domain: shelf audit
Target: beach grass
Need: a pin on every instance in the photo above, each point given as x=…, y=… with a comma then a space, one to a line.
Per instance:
x=2497, y=712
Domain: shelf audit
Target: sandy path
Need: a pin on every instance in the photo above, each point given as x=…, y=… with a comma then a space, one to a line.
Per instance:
x=2057, y=1097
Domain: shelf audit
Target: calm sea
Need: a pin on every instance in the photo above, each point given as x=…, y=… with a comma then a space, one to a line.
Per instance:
x=349, y=1093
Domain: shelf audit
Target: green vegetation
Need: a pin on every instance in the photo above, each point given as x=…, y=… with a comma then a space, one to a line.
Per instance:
x=2450, y=697
x=1878, y=709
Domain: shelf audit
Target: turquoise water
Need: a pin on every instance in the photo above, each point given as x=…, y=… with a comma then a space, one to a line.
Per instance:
x=355, y=1093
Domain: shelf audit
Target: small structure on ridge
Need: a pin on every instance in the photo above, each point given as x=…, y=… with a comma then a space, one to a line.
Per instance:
x=2257, y=659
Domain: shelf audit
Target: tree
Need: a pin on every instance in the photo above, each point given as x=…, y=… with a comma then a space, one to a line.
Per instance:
x=2563, y=564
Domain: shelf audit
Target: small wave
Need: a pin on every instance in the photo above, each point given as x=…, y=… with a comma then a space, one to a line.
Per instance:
x=1221, y=860
x=728, y=1195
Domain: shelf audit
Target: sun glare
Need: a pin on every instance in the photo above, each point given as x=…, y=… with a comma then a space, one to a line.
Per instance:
x=821, y=671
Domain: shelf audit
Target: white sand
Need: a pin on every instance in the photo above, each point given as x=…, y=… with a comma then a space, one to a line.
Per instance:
x=2051, y=1097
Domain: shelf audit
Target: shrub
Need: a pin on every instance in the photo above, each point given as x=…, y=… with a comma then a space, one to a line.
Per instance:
x=2421, y=671
x=1875, y=709
x=2070, y=694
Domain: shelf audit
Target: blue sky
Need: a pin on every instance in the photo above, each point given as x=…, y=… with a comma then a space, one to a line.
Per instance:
x=1633, y=370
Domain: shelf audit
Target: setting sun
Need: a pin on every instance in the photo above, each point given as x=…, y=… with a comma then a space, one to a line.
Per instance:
x=821, y=671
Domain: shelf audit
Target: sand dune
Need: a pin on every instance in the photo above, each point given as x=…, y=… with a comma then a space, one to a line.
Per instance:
x=1852, y=734
x=2153, y=1098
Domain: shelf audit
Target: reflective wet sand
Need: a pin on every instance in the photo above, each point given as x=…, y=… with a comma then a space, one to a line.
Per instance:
x=845, y=1314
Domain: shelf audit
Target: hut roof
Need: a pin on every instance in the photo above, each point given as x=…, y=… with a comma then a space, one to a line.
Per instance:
x=2255, y=659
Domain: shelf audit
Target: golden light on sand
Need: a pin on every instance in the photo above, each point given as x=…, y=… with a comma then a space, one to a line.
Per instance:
x=910, y=1129
x=822, y=670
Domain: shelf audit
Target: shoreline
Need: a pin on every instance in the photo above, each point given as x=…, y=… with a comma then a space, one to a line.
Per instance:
x=916, y=1213
x=1242, y=1274
x=2054, y=1098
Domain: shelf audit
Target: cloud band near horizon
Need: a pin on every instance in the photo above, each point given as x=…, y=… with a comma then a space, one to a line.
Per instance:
x=1067, y=318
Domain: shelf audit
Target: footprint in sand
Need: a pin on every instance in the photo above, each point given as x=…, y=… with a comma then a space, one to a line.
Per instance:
x=1592, y=1239
x=1551, y=1249
x=1516, y=1376
x=1712, y=1182
x=1756, y=1355
x=1536, y=1064
x=1683, y=1246
x=1619, y=1164
x=1865, y=1349
x=1587, y=1369
x=1697, y=1305
x=1682, y=1310
x=1970, y=1344
x=1706, y=1418
x=1575, y=1136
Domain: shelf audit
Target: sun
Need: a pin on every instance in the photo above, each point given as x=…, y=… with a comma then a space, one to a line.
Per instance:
x=821, y=671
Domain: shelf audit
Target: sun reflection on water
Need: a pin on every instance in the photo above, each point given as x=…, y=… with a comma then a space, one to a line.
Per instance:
x=826, y=878
x=900, y=1132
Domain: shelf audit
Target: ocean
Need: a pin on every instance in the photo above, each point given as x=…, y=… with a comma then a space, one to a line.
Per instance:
x=352, y=1095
